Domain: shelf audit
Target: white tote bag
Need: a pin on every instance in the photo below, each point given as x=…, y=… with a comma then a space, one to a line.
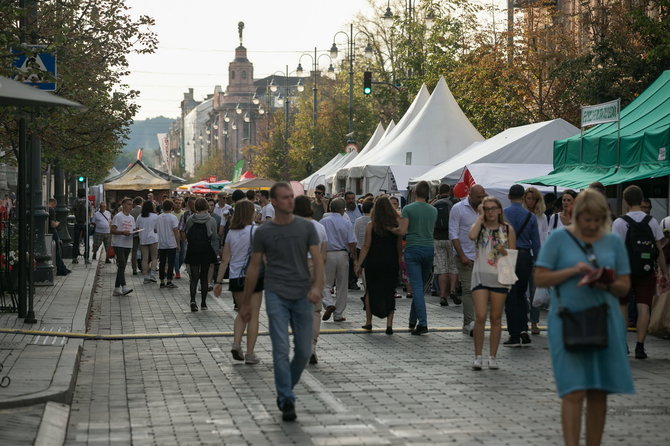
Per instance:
x=507, y=267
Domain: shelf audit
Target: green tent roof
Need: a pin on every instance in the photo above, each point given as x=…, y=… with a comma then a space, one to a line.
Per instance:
x=644, y=143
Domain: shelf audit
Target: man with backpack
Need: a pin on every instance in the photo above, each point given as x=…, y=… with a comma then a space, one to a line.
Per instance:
x=445, y=260
x=643, y=236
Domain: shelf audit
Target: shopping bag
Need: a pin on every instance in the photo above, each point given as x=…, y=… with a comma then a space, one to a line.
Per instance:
x=659, y=323
x=507, y=267
x=110, y=252
x=541, y=297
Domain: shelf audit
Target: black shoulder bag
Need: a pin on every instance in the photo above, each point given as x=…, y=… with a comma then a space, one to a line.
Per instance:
x=584, y=330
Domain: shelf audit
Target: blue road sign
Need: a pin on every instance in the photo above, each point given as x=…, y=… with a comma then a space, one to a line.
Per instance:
x=29, y=67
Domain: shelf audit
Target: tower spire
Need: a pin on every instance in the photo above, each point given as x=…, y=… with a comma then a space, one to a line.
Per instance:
x=240, y=30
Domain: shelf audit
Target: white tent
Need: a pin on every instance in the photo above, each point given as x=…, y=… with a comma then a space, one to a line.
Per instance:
x=306, y=182
x=497, y=178
x=329, y=174
x=374, y=139
x=528, y=144
x=438, y=132
x=343, y=171
x=355, y=169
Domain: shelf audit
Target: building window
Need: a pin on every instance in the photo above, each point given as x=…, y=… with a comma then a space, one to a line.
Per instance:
x=244, y=75
x=232, y=75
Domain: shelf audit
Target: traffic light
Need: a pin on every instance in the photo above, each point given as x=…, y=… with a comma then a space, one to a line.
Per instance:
x=81, y=179
x=367, y=82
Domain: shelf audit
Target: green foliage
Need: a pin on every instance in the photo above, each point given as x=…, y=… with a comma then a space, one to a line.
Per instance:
x=92, y=39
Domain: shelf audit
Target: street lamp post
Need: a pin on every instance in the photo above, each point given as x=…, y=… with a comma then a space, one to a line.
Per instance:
x=285, y=101
x=315, y=69
x=351, y=40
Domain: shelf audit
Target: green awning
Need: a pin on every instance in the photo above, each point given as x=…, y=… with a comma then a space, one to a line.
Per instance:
x=625, y=175
x=572, y=178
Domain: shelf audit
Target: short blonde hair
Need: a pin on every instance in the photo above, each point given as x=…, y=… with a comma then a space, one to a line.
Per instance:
x=540, y=206
x=594, y=203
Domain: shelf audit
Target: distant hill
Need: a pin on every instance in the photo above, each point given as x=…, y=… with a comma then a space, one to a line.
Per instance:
x=143, y=135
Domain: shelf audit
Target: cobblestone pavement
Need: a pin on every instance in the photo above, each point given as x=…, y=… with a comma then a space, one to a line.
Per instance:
x=367, y=388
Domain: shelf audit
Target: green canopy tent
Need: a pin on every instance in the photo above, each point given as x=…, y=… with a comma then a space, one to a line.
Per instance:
x=637, y=150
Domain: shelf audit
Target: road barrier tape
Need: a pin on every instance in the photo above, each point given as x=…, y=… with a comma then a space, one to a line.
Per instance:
x=205, y=334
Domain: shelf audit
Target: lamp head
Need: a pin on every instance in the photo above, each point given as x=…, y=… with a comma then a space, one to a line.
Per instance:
x=333, y=51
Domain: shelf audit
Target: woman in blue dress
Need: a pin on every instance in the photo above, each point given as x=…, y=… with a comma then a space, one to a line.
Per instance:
x=586, y=375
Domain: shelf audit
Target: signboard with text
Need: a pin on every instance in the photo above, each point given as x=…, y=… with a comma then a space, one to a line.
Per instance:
x=601, y=113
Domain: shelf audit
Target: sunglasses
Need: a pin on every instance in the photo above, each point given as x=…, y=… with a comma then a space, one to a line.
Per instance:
x=318, y=193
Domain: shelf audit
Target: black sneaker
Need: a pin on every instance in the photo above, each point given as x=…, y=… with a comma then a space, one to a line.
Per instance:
x=412, y=325
x=512, y=342
x=639, y=352
x=313, y=359
x=75, y=260
x=171, y=285
x=525, y=339
x=288, y=412
x=419, y=330
x=162, y=285
x=455, y=298
x=444, y=302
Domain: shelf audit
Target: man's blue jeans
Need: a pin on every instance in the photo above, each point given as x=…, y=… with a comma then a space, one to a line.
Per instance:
x=419, y=263
x=298, y=313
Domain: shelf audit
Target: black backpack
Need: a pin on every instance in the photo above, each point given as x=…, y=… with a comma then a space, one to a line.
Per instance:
x=198, y=240
x=441, y=231
x=641, y=246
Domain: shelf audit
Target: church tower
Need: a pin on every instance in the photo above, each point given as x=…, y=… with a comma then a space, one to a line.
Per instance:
x=240, y=75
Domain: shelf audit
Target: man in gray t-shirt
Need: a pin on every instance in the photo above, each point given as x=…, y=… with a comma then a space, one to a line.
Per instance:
x=290, y=293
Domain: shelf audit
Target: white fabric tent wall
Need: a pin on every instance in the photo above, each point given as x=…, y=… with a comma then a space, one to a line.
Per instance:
x=438, y=132
x=497, y=178
x=343, y=172
x=330, y=179
x=528, y=144
x=356, y=168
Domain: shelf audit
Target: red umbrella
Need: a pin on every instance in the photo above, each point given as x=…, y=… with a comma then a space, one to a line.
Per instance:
x=247, y=176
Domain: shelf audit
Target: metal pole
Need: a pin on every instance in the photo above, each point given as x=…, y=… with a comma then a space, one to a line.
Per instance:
x=351, y=139
x=22, y=210
x=286, y=124
x=314, y=107
x=34, y=158
x=62, y=212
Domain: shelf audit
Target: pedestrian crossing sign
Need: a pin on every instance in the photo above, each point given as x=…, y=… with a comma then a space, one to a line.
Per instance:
x=36, y=69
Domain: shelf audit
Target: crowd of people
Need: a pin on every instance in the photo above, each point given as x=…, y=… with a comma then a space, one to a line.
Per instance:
x=305, y=253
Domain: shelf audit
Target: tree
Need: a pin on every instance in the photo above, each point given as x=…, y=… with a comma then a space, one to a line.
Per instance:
x=92, y=39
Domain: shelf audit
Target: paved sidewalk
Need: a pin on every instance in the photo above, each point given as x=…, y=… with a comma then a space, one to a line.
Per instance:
x=366, y=389
x=42, y=367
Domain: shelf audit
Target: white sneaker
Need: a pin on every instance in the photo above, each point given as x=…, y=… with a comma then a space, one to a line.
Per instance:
x=493, y=364
x=471, y=328
x=477, y=363
x=125, y=290
x=117, y=291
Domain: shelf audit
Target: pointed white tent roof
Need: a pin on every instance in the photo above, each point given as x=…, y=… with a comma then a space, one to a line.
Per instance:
x=343, y=172
x=421, y=99
x=325, y=174
x=374, y=139
x=438, y=132
x=333, y=160
x=527, y=144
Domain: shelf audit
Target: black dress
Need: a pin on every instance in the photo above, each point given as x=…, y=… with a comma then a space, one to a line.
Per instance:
x=381, y=273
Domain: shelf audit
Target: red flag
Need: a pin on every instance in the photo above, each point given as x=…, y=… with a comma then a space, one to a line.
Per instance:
x=462, y=188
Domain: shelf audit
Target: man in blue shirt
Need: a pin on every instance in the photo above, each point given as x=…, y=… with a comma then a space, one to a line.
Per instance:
x=528, y=244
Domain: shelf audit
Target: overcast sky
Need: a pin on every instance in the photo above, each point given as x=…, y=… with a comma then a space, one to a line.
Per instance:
x=197, y=40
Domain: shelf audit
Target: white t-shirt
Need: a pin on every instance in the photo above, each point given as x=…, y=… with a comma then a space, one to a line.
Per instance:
x=620, y=227
x=123, y=222
x=148, y=236
x=267, y=212
x=542, y=227
x=321, y=232
x=555, y=219
x=167, y=223
x=102, y=222
x=238, y=241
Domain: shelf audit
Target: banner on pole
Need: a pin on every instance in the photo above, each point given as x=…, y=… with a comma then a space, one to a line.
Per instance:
x=601, y=113
x=237, y=171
